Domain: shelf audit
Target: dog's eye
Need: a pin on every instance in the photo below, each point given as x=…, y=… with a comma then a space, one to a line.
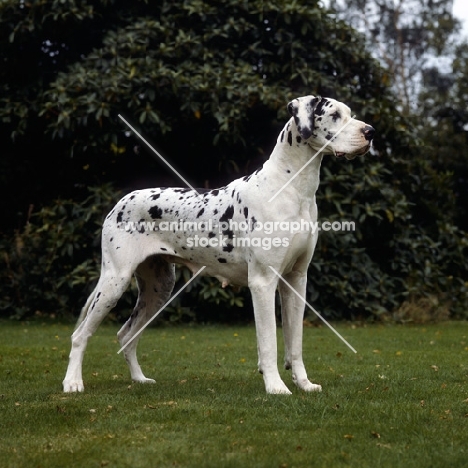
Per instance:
x=335, y=116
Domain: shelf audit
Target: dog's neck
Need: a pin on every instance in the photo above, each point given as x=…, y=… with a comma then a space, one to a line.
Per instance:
x=291, y=156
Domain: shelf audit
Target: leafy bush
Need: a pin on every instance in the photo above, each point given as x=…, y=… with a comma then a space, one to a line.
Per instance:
x=405, y=249
x=48, y=267
x=214, y=88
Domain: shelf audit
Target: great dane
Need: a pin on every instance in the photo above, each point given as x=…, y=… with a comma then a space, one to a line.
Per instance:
x=144, y=235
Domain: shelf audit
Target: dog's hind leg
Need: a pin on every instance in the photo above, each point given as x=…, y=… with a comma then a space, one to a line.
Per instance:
x=155, y=279
x=110, y=287
x=292, y=313
x=85, y=309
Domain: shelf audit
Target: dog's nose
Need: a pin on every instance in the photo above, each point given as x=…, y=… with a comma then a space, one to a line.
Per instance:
x=368, y=132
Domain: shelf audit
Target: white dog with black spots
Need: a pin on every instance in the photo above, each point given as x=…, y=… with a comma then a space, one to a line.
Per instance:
x=228, y=243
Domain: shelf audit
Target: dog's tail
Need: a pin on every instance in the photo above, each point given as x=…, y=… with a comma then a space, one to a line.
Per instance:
x=84, y=310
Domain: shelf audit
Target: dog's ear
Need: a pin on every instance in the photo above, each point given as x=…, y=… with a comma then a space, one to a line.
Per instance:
x=303, y=111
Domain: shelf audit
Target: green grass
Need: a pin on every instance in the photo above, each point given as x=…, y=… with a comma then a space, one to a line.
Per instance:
x=402, y=401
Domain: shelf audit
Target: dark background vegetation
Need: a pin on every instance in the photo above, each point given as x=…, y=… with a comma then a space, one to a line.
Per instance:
x=207, y=82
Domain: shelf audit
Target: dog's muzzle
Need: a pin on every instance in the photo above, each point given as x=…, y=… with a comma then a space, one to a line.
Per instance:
x=369, y=133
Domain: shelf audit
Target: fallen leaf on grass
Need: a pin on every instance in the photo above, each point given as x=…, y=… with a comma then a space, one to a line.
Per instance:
x=163, y=403
x=348, y=436
x=447, y=415
x=388, y=446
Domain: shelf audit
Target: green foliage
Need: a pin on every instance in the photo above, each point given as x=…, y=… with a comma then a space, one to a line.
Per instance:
x=210, y=86
x=444, y=116
x=405, y=245
x=220, y=72
x=49, y=265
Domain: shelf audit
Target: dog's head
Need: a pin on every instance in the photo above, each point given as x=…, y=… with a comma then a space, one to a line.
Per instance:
x=325, y=121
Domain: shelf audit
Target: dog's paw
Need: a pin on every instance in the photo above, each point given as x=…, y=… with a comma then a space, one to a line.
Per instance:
x=279, y=391
x=71, y=386
x=307, y=386
x=145, y=380
x=277, y=388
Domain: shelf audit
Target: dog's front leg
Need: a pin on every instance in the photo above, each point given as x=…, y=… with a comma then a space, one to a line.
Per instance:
x=292, y=312
x=263, y=290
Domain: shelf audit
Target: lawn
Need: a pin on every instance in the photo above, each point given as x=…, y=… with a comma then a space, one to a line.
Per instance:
x=401, y=401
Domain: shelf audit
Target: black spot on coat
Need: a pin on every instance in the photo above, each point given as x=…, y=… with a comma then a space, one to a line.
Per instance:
x=155, y=212
x=228, y=214
x=253, y=222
